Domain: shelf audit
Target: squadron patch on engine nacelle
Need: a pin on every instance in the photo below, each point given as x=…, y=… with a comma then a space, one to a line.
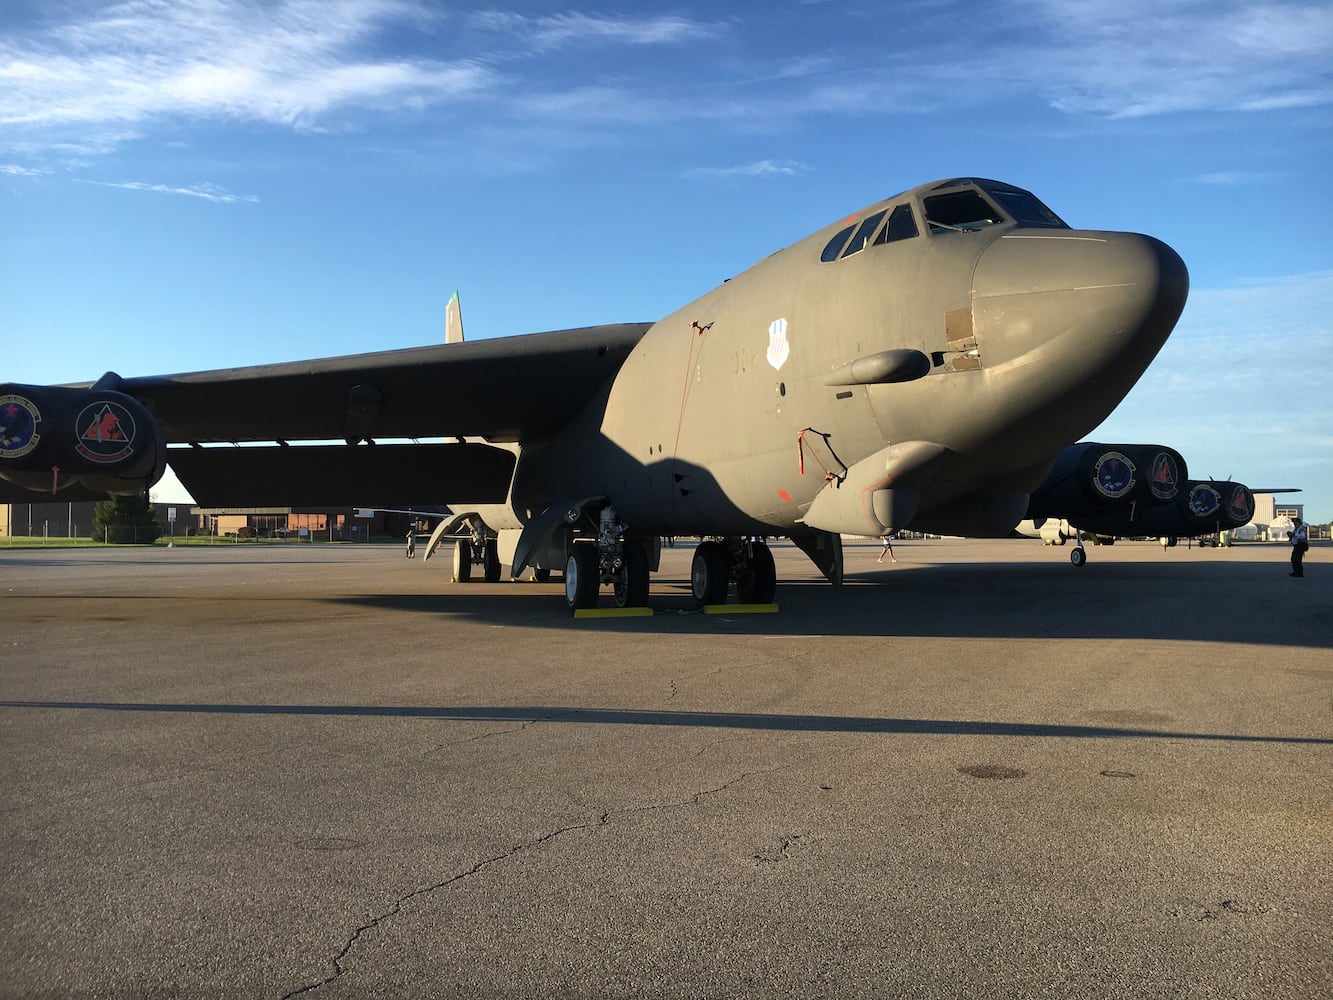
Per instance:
x=1241, y=505
x=18, y=426
x=1165, y=477
x=1113, y=475
x=106, y=432
x=1204, y=500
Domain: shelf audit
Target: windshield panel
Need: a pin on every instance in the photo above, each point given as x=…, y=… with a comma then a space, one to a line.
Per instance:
x=1024, y=207
x=960, y=212
x=902, y=226
x=862, y=238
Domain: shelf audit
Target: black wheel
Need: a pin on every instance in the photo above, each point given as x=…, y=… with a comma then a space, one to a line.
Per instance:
x=1078, y=557
x=583, y=577
x=710, y=574
x=758, y=583
x=542, y=575
x=491, y=560
x=463, y=560
x=631, y=583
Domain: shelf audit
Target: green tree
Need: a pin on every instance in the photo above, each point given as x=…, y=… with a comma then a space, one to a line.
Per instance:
x=126, y=520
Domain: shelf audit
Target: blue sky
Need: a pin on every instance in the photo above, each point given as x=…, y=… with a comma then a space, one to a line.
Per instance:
x=194, y=184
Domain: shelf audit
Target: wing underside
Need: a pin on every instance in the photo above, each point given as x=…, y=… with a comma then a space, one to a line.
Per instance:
x=341, y=475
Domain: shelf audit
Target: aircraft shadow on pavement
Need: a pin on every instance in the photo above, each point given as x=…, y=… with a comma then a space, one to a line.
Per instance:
x=707, y=720
x=1248, y=603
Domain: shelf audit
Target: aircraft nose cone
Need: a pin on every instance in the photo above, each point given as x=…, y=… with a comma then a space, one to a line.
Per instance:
x=1112, y=297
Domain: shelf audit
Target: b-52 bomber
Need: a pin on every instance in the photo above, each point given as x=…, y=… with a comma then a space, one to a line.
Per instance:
x=920, y=364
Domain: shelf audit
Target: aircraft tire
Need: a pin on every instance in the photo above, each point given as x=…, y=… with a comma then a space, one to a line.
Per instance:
x=541, y=575
x=631, y=586
x=759, y=581
x=463, y=561
x=1078, y=557
x=710, y=574
x=492, y=560
x=582, y=577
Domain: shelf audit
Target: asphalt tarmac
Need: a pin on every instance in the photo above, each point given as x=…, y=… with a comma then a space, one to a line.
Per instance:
x=325, y=771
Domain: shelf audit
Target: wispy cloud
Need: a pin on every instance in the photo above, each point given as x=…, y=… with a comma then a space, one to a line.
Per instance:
x=555, y=30
x=285, y=63
x=208, y=192
x=1148, y=57
x=74, y=90
x=1229, y=178
x=759, y=168
x=14, y=170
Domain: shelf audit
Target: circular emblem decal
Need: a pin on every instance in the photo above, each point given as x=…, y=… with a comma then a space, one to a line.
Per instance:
x=1241, y=505
x=18, y=426
x=105, y=432
x=1113, y=475
x=1165, y=476
x=1204, y=500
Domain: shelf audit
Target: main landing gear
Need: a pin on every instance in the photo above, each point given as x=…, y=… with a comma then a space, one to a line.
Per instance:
x=611, y=558
x=747, y=562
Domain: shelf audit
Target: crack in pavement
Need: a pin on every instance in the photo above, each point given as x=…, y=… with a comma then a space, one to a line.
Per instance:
x=489, y=734
x=603, y=819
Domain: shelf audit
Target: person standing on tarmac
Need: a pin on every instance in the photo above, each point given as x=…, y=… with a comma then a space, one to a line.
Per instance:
x=1300, y=544
x=411, y=543
x=887, y=550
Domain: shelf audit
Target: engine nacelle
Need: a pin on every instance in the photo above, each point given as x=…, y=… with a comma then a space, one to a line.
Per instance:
x=53, y=437
x=1201, y=508
x=1091, y=479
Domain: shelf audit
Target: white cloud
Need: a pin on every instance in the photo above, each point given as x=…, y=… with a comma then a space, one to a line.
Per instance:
x=78, y=89
x=1229, y=178
x=1147, y=57
x=14, y=170
x=208, y=192
x=759, y=168
x=285, y=63
x=556, y=30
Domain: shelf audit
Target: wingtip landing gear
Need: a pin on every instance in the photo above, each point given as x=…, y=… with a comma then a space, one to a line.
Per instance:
x=1078, y=556
x=479, y=548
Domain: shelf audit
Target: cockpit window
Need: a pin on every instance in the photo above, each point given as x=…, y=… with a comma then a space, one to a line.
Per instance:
x=902, y=226
x=836, y=244
x=861, y=239
x=1025, y=208
x=858, y=236
x=960, y=212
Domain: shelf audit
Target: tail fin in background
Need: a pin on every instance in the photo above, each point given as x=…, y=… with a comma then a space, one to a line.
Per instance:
x=453, y=321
